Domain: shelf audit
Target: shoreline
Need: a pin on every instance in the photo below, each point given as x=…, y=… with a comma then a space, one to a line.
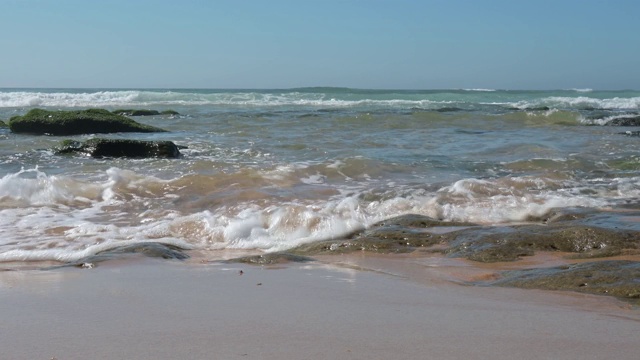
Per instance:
x=354, y=307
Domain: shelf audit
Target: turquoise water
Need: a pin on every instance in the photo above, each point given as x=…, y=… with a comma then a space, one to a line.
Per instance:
x=267, y=170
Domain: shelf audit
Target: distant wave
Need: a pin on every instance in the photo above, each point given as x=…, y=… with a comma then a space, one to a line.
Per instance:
x=325, y=97
x=480, y=90
x=67, y=99
x=580, y=103
x=319, y=97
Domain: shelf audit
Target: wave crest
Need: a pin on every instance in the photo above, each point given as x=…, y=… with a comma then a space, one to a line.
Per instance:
x=471, y=99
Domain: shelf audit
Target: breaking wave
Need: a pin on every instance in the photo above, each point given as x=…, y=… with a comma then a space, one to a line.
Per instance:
x=469, y=99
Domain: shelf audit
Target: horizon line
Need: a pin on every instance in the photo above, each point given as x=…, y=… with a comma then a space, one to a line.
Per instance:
x=478, y=89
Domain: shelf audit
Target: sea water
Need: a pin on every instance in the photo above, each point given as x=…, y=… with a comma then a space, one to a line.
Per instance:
x=267, y=170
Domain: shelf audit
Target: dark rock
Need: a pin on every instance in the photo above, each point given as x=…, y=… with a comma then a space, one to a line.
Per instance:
x=271, y=259
x=169, y=112
x=494, y=244
x=401, y=234
x=143, y=112
x=562, y=215
x=419, y=221
x=99, y=148
x=568, y=231
x=532, y=108
x=3, y=125
x=136, y=112
x=350, y=245
x=618, y=278
x=624, y=121
x=91, y=121
x=448, y=109
x=149, y=249
x=539, y=108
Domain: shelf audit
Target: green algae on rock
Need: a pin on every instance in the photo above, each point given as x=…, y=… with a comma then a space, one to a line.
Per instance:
x=494, y=244
x=620, y=278
x=3, y=125
x=99, y=148
x=487, y=244
x=419, y=221
x=400, y=234
x=271, y=259
x=90, y=121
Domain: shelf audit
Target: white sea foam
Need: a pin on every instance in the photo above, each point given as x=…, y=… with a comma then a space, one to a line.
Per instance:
x=128, y=208
x=32, y=188
x=606, y=119
x=501, y=201
x=150, y=98
x=270, y=229
x=62, y=99
x=242, y=185
x=480, y=90
x=581, y=102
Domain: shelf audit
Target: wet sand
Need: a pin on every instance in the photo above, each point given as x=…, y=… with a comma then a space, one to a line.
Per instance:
x=356, y=307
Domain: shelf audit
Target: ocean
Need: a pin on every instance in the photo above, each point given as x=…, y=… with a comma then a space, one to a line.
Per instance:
x=269, y=170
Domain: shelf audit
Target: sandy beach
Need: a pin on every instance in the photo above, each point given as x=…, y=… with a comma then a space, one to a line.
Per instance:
x=358, y=307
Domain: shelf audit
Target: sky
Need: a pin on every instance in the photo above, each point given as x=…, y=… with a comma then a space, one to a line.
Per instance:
x=378, y=44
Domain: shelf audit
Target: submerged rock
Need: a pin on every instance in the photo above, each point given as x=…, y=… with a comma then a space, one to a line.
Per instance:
x=91, y=121
x=625, y=121
x=99, y=148
x=449, y=109
x=419, y=221
x=149, y=249
x=618, y=278
x=494, y=244
x=143, y=112
x=563, y=232
x=538, y=108
x=397, y=235
x=271, y=259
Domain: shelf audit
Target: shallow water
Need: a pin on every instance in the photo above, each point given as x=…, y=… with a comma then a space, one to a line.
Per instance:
x=271, y=169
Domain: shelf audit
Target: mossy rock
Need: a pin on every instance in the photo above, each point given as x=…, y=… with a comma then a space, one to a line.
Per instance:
x=419, y=221
x=620, y=278
x=564, y=232
x=348, y=246
x=91, y=121
x=3, y=125
x=169, y=112
x=400, y=234
x=143, y=112
x=495, y=244
x=271, y=259
x=99, y=148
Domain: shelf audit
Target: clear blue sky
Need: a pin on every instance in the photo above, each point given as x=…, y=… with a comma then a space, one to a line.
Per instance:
x=419, y=44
